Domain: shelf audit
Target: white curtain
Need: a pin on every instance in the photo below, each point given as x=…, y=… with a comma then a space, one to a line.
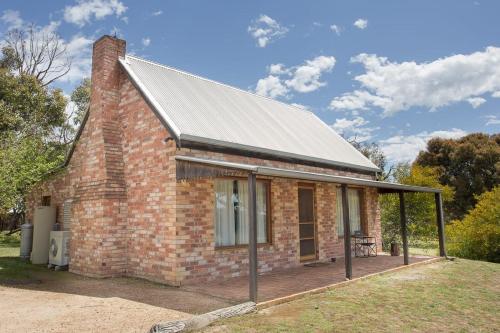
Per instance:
x=354, y=211
x=228, y=229
x=340, y=215
x=242, y=227
x=224, y=213
x=261, y=212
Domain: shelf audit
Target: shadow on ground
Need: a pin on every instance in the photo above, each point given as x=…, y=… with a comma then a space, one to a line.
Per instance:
x=16, y=273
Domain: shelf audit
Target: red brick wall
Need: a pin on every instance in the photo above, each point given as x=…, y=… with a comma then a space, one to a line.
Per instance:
x=150, y=182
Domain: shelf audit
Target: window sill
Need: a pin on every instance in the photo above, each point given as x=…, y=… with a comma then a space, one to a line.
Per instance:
x=237, y=247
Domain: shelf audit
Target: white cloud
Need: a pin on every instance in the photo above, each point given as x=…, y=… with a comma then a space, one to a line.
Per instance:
x=357, y=100
x=395, y=87
x=496, y=94
x=304, y=78
x=84, y=10
x=157, y=13
x=146, y=41
x=12, y=18
x=476, y=101
x=354, y=129
x=301, y=106
x=116, y=32
x=278, y=69
x=402, y=148
x=266, y=30
x=271, y=86
x=79, y=49
x=335, y=28
x=492, y=120
x=361, y=23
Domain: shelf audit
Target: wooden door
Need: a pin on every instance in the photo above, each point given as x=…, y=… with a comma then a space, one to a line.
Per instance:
x=307, y=228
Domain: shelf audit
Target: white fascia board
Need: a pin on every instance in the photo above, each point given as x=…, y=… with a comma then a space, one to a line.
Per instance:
x=150, y=98
x=231, y=165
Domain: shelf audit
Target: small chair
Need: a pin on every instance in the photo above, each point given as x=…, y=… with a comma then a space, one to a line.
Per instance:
x=364, y=246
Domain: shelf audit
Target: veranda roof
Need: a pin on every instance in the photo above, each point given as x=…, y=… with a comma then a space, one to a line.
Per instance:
x=385, y=187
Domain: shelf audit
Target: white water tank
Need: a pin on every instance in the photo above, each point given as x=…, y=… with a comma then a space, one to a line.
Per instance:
x=43, y=221
x=26, y=240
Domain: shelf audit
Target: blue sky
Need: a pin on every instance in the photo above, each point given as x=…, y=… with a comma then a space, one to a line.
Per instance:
x=392, y=72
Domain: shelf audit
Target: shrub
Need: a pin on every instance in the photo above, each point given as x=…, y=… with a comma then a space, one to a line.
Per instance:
x=477, y=236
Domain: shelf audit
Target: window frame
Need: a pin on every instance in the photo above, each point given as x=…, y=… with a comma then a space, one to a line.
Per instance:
x=362, y=215
x=269, y=233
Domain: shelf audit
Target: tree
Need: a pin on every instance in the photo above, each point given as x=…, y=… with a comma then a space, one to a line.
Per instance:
x=37, y=53
x=22, y=164
x=420, y=207
x=375, y=154
x=75, y=112
x=30, y=114
x=27, y=108
x=470, y=165
x=81, y=98
x=477, y=236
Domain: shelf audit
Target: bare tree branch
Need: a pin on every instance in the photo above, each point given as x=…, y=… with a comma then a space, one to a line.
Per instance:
x=39, y=53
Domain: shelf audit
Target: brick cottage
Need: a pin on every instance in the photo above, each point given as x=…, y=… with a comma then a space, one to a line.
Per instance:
x=171, y=176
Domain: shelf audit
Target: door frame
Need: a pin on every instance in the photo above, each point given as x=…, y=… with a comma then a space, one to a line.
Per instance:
x=312, y=187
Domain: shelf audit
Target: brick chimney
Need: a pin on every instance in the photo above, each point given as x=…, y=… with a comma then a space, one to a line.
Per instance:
x=99, y=231
x=106, y=73
x=104, y=101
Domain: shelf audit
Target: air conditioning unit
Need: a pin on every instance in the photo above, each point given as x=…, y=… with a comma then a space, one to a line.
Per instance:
x=58, y=248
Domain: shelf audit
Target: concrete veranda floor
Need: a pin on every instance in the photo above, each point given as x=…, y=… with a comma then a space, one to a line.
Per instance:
x=295, y=280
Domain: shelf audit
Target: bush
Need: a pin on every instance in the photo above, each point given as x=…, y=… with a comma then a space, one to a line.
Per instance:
x=477, y=236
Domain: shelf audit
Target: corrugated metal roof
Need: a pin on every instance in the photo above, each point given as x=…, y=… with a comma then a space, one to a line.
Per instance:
x=204, y=111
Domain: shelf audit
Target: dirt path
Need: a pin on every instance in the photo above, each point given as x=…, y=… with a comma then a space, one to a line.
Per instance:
x=43, y=311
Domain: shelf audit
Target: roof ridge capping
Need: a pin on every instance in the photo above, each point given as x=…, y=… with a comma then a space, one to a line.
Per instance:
x=297, y=108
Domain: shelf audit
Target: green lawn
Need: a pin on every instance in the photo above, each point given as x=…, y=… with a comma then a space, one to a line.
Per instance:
x=447, y=296
x=422, y=251
x=14, y=270
x=9, y=244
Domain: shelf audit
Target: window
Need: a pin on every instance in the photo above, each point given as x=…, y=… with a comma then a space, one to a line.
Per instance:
x=353, y=198
x=46, y=200
x=231, y=213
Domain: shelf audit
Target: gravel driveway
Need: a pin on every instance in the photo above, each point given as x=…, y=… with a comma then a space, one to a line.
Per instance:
x=43, y=311
x=35, y=299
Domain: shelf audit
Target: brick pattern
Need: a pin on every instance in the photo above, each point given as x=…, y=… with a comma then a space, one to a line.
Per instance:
x=131, y=217
x=299, y=279
x=150, y=181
